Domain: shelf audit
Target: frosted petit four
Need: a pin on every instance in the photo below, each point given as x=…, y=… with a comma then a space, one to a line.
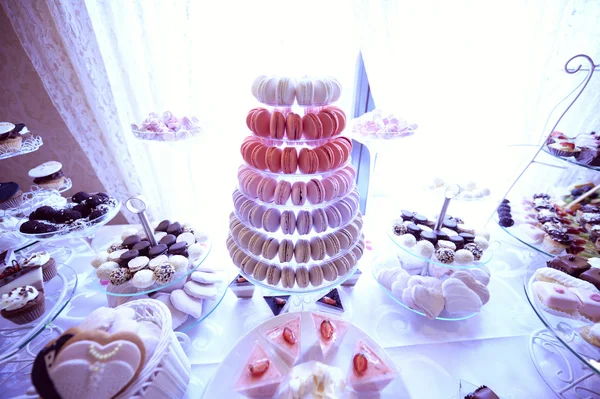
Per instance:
x=550, y=275
x=368, y=372
x=557, y=297
x=589, y=303
x=260, y=376
x=286, y=338
x=330, y=331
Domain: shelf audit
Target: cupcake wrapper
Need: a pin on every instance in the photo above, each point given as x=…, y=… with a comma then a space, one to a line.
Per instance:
x=49, y=272
x=552, y=247
x=561, y=153
x=11, y=144
x=31, y=315
x=53, y=184
x=12, y=202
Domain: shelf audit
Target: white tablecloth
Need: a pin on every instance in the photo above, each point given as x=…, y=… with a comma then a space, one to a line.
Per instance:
x=491, y=348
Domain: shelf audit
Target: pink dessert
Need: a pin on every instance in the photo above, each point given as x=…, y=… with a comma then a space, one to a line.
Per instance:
x=286, y=338
x=590, y=303
x=556, y=297
x=330, y=331
x=260, y=376
x=368, y=372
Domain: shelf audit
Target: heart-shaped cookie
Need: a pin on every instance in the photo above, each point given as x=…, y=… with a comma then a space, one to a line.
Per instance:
x=98, y=365
x=460, y=299
x=480, y=289
x=429, y=300
x=44, y=361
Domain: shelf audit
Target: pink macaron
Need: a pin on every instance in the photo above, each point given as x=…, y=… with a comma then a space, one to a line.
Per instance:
x=332, y=245
x=259, y=156
x=247, y=148
x=271, y=220
x=327, y=123
x=304, y=222
x=288, y=222
x=260, y=122
x=273, y=159
x=277, y=125
x=343, y=183
x=270, y=248
x=293, y=126
x=299, y=193
x=331, y=187
x=338, y=154
x=317, y=248
x=245, y=209
x=282, y=192
x=302, y=251
x=319, y=218
x=334, y=217
x=266, y=189
x=308, y=162
x=324, y=158
x=289, y=160
x=315, y=191
x=312, y=126
x=256, y=215
x=345, y=211
x=334, y=119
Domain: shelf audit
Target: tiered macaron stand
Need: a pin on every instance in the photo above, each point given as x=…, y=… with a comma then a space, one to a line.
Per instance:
x=567, y=363
x=411, y=255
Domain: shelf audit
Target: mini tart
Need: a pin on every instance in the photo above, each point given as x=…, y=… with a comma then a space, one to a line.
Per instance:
x=591, y=334
x=561, y=150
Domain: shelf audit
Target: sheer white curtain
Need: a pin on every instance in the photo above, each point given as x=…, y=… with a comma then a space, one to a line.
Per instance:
x=107, y=64
x=476, y=76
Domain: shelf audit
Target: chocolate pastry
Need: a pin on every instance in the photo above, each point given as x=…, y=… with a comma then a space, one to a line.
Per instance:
x=43, y=361
x=419, y=219
x=573, y=265
x=450, y=223
x=174, y=228
x=129, y=255
x=560, y=237
x=441, y=235
x=162, y=226
x=548, y=219
x=168, y=240
x=83, y=209
x=80, y=197
x=157, y=250
x=130, y=241
x=44, y=213
x=142, y=247
x=36, y=227
x=458, y=241
x=589, y=156
x=68, y=216
x=429, y=236
x=415, y=230
x=96, y=213
x=45, y=179
x=592, y=276
x=179, y=248
x=482, y=392
x=95, y=200
x=467, y=237
x=276, y=303
x=407, y=215
x=332, y=300
x=103, y=195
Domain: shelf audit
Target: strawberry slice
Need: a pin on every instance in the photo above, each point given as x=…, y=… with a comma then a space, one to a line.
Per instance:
x=569, y=145
x=259, y=367
x=326, y=329
x=288, y=336
x=361, y=363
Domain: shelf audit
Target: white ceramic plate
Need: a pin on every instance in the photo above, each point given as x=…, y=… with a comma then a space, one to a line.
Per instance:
x=221, y=385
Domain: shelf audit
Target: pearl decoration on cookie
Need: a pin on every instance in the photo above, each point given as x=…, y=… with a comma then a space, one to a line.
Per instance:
x=104, y=356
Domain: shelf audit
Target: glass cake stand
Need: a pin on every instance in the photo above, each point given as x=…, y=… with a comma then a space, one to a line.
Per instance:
x=67, y=185
x=34, y=199
x=29, y=144
x=577, y=361
x=57, y=292
x=570, y=160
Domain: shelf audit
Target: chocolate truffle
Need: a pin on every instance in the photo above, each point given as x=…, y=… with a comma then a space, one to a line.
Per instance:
x=80, y=197
x=168, y=240
x=162, y=226
x=475, y=250
x=120, y=276
x=179, y=248
x=174, y=228
x=573, y=265
x=129, y=255
x=142, y=247
x=96, y=213
x=130, y=241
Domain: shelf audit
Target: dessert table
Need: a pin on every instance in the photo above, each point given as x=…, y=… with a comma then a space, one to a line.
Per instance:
x=432, y=356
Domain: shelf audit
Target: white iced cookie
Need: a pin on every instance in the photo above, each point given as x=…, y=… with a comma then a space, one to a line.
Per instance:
x=159, y=235
x=150, y=335
x=481, y=274
x=430, y=301
x=195, y=251
x=407, y=299
x=101, y=257
x=424, y=228
x=100, y=319
x=449, y=232
x=480, y=289
x=179, y=262
x=116, y=255
x=426, y=281
x=186, y=304
x=550, y=275
x=446, y=244
x=178, y=317
x=200, y=291
x=463, y=228
x=103, y=272
x=482, y=242
x=463, y=257
x=413, y=265
x=138, y=263
x=128, y=232
x=207, y=278
x=425, y=249
x=124, y=314
x=188, y=238
x=460, y=299
x=407, y=240
x=200, y=236
x=438, y=271
x=159, y=260
x=143, y=279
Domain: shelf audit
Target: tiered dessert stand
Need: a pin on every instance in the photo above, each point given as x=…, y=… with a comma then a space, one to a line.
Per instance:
x=567, y=363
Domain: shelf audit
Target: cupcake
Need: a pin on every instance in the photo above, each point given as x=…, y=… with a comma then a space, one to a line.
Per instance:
x=563, y=149
x=23, y=305
x=556, y=242
x=10, y=137
x=10, y=196
x=44, y=260
x=48, y=175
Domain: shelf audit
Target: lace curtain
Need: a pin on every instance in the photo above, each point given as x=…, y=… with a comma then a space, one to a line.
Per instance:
x=477, y=76
x=107, y=64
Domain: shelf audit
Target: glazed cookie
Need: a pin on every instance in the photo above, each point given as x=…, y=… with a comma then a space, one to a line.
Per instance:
x=186, y=304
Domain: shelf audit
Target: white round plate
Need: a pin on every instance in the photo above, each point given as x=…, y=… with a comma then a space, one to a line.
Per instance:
x=221, y=384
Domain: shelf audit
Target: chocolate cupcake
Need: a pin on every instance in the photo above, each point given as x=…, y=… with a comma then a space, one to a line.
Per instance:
x=23, y=305
x=10, y=195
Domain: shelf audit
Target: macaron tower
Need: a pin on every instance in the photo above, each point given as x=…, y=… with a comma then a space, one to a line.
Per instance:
x=296, y=225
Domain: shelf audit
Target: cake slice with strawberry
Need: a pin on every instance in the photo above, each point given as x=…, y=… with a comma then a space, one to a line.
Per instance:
x=368, y=372
x=330, y=331
x=286, y=338
x=260, y=377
